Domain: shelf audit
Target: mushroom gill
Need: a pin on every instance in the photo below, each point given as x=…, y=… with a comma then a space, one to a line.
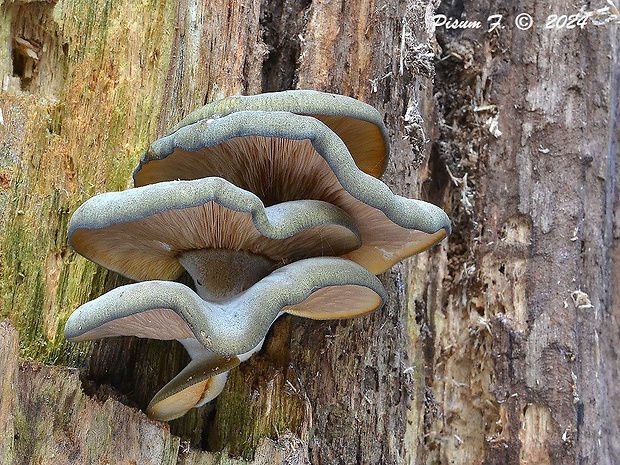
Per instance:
x=218, y=335
x=359, y=125
x=153, y=232
x=282, y=156
x=255, y=197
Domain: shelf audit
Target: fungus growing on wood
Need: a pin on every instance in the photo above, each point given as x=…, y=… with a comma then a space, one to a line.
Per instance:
x=201, y=381
x=241, y=195
x=222, y=235
x=359, y=125
x=218, y=335
x=281, y=156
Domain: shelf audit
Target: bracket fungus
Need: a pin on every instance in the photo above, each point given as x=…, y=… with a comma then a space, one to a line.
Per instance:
x=218, y=335
x=359, y=125
x=272, y=204
x=281, y=156
x=221, y=234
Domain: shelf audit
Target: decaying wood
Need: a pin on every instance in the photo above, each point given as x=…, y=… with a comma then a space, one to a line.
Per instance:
x=47, y=418
x=109, y=78
x=528, y=127
x=498, y=346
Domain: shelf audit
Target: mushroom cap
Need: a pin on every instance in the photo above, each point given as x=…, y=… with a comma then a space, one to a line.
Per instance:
x=317, y=288
x=282, y=156
x=201, y=381
x=140, y=232
x=358, y=124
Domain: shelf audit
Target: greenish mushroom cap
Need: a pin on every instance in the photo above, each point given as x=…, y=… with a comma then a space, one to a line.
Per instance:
x=142, y=232
x=317, y=288
x=238, y=189
x=202, y=380
x=358, y=124
x=220, y=335
x=281, y=156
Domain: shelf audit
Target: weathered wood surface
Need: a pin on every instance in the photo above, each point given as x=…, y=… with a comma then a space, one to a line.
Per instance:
x=109, y=77
x=528, y=372
x=498, y=346
x=47, y=418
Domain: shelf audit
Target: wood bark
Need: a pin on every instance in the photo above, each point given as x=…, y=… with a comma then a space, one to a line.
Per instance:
x=526, y=374
x=497, y=346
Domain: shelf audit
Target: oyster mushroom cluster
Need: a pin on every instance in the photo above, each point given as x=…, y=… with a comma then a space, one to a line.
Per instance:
x=272, y=204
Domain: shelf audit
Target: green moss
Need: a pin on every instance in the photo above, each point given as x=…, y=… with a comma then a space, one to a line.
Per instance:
x=34, y=250
x=100, y=433
x=256, y=403
x=24, y=444
x=86, y=142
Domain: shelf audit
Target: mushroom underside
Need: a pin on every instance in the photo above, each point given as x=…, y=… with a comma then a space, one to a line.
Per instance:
x=166, y=323
x=359, y=125
x=142, y=232
x=220, y=335
x=201, y=381
x=267, y=182
x=319, y=288
x=220, y=274
x=256, y=164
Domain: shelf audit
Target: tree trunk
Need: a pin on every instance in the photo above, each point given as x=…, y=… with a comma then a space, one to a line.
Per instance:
x=497, y=346
x=523, y=358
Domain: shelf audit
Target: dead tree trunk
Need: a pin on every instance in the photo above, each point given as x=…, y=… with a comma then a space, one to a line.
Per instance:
x=495, y=347
x=522, y=359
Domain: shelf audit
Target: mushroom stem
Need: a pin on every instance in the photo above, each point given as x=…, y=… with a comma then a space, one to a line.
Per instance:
x=220, y=274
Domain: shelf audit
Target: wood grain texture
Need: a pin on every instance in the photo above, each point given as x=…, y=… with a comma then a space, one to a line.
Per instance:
x=497, y=346
x=117, y=75
x=49, y=419
x=518, y=368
